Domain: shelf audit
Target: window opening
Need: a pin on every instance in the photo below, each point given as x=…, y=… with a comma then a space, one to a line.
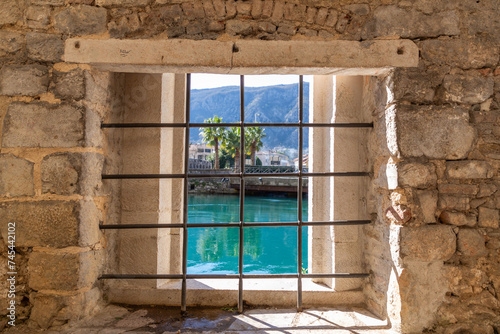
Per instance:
x=242, y=175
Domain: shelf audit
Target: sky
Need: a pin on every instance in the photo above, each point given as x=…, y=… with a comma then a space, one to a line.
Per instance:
x=202, y=81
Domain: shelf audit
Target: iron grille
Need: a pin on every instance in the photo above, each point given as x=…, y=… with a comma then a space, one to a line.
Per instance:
x=244, y=173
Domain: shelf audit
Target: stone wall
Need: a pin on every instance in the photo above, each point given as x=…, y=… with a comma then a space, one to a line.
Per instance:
x=433, y=251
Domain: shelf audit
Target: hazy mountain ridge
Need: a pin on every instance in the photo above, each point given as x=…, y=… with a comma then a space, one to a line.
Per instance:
x=271, y=104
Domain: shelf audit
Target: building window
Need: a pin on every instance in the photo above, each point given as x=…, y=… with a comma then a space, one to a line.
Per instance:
x=330, y=222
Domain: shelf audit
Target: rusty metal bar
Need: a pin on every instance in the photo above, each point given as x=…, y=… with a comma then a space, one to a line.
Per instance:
x=247, y=125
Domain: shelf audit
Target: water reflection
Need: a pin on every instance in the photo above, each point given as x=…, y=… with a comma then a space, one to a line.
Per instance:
x=265, y=249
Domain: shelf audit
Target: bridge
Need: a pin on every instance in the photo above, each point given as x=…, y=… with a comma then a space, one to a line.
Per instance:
x=260, y=184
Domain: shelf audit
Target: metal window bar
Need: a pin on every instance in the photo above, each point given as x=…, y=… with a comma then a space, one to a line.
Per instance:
x=241, y=175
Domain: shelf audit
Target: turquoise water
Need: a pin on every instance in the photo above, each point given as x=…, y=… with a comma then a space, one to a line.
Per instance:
x=266, y=250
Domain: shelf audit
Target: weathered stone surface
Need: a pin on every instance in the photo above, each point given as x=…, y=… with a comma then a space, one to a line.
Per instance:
x=81, y=20
x=238, y=27
x=29, y=80
x=16, y=176
x=471, y=243
x=469, y=88
x=428, y=243
x=38, y=16
x=486, y=190
x=488, y=217
x=69, y=85
x=44, y=47
x=428, y=205
x=54, y=310
x=358, y=9
x=122, y=3
x=49, y=271
x=461, y=53
x=44, y=224
x=394, y=21
x=416, y=85
x=287, y=29
x=47, y=2
x=417, y=175
x=266, y=27
x=10, y=42
x=458, y=189
x=10, y=12
x=457, y=218
x=484, y=23
x=419, y=136
x=72, y=173
x=449, y=202
x=47, y=125
x=469, y=169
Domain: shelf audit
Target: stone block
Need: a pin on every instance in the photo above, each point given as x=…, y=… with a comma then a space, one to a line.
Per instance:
x=238, y=27
x=267, y=9
x=342, y=22
x=10, y=12
x=16, y=176
x=332, y=18
x=44, y=47
x=43, y=125
x=63, y=271
x=449, y=202
x=69, y=85
x=417, y=175
x=428, y=243
x=266, y=27
x=216, y=26
x=358, y=9
x=72, y=173
x=51, y=223
x=49, y=309
x=434, y=132
x=471, y=243
x=208, y=7
x=469, y=169
x=279, y=9
x=457, y=218
x=47, y=2
x=311, y=14
x=38, y=17
x=486, y=190
x=81, y=20
x=395, y=21
x=428, y=205
x=470, y=88
x=26, y=80
x=488, y=217
x=322, y=15
x=458, y=189
x=220, y=8
x=122, y=3
x=460, y=53
x=11, y=42
x=484, y=23
x=171, y=13
x=416, y=85
x=287, y=29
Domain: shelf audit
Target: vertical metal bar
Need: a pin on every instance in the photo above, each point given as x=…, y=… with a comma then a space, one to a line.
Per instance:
x=185, y=204
x=242, y=192
x=299, y=195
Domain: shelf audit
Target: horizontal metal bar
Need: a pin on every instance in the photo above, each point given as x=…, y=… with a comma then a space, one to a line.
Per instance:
x=228, y=175
x=235, y=224
x=246, y=125
x=221, y=276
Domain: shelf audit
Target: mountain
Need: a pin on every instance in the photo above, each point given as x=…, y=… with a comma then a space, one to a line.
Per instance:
x=271, y=104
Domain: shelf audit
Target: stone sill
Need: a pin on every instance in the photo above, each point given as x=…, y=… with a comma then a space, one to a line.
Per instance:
x=224, y=292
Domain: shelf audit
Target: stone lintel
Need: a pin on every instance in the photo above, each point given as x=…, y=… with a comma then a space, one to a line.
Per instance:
x=243, y=57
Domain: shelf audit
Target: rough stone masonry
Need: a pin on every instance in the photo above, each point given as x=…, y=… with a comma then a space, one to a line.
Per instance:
x=437, y=228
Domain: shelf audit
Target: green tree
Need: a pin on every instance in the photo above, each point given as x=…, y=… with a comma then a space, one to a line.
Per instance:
x=231, y=143
x=254, y=136
x=213, y=136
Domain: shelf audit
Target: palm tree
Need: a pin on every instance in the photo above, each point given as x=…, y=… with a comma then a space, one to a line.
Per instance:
x=254, y=136
x=231, y=143
x=213, y=136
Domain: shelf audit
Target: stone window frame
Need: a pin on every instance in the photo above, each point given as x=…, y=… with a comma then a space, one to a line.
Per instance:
x=247, y=57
